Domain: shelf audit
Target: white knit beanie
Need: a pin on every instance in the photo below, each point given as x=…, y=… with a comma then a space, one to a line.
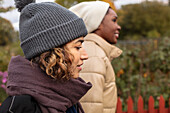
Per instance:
x=91, y=12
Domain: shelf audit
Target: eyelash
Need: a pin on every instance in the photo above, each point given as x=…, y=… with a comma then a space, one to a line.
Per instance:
x=78, y=48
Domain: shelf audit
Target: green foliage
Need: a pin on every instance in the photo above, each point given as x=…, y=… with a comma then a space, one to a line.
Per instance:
x=6, y=52
x=144, y=70
x=69, y=3
x=2, y=9
x=3, y=95
x=161, y=55
x=6, y=9
x=148, y=19
x=7, y=33
x=3, y=80
x=153, y=34
x=9, y=46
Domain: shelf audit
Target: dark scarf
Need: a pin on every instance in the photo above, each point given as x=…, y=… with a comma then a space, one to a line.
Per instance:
x=52, y=96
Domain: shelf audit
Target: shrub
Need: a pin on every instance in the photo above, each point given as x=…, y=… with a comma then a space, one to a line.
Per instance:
x=3, y=80
x=143, y=69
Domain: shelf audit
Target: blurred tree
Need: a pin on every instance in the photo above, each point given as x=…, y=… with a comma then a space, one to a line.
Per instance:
x=7, y=33
x=2, y=9
x=6, y=9
x=69, y=3
x=144, y=19
x=111, y=4
x=7, y=49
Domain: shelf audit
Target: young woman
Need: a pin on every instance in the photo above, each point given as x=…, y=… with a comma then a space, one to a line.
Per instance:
x=47, y=79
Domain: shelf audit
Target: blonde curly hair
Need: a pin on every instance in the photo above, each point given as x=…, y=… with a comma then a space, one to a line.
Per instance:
x=57, y=63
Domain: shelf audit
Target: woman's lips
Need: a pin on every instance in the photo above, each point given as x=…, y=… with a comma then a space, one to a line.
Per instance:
x=80, y=68
x=117, y=35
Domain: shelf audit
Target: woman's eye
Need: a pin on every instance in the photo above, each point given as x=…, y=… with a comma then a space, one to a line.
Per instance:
x=114, y=20
x=79, y=47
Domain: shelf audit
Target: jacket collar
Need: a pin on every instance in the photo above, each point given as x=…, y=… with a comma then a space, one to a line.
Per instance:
x=110, y=50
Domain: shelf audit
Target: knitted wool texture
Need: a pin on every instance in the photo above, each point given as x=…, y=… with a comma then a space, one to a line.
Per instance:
x=91, y=12
x=47, y=25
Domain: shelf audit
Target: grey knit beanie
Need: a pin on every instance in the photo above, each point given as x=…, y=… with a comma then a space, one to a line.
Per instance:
x=46, y=25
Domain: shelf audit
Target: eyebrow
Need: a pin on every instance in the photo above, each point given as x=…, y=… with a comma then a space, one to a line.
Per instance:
x=116, y=17
x=81, y=41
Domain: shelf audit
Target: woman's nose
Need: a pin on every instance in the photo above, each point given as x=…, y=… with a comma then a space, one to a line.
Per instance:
x=119, y=27
x=84, y=55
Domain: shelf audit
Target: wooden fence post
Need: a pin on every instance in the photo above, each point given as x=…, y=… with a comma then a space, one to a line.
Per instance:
x=130, y=105
x=140, y=105
x=161, y=105
x=119, y=106
x=151, y=105
x=169, y=106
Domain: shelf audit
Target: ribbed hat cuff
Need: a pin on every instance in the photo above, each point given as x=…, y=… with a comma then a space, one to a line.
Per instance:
x=51, y=38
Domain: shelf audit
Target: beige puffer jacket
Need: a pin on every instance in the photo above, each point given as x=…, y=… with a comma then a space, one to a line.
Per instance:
x=102, y=97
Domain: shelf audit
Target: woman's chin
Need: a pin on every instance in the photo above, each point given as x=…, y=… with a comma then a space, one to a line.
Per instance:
x=76, y=75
